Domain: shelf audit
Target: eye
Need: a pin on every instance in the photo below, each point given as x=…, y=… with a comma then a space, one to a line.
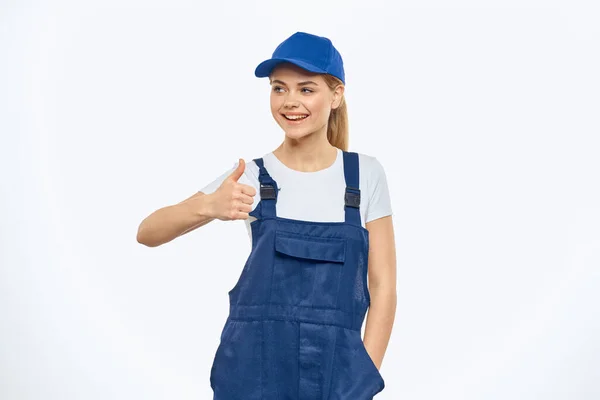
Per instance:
x=275, y=88
x=309, y=90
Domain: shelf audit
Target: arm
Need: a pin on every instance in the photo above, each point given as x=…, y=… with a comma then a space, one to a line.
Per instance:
x=382, y=287
x=231, y=200
x=168, y=223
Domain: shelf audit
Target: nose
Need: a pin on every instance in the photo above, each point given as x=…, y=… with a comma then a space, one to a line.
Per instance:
x=290, y=104
x=290, y=101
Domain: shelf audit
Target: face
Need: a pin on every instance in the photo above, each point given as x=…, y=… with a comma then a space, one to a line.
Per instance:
x=298, y=93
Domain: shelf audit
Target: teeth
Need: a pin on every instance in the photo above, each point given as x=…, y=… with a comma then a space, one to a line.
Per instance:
x=296, y=116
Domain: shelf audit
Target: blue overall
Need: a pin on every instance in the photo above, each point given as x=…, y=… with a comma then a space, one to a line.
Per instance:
x=296, y=312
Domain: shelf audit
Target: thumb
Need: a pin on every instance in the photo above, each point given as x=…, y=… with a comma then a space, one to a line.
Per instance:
x=237, y=173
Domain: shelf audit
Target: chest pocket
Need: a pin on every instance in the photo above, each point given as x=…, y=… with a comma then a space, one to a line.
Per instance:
x=307, y=269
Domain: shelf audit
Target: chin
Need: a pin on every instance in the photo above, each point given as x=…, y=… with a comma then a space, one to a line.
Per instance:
x=296, y=134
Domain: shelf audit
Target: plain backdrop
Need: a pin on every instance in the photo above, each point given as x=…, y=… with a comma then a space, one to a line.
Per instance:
x=484, y=115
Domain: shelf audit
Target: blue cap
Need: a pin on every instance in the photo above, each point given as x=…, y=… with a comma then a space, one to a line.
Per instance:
x=311, y=52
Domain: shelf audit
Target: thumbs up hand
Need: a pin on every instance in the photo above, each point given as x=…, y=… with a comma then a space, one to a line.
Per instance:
x=232, y=200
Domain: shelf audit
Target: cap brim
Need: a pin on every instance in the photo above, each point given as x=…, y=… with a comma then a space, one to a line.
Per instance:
x=264, y=68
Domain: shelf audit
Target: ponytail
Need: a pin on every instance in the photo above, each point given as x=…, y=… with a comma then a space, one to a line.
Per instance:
x=337, y=126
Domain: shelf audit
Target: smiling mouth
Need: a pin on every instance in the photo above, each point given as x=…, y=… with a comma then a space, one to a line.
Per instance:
x=295, y=117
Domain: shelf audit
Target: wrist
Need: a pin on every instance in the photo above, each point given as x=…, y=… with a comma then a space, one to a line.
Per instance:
x=205, y=205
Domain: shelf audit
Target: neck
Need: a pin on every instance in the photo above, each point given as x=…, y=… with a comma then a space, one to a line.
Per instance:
x=309, y=154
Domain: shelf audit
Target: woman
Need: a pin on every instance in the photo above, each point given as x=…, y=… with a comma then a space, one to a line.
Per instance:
x=322, y=222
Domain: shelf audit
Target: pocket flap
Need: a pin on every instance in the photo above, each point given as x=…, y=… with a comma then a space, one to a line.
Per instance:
x=313, y=248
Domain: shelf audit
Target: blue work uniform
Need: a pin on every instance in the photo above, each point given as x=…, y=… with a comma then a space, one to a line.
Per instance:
x=296, y=312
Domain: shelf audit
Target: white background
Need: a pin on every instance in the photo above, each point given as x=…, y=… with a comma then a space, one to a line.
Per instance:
x=485, y=116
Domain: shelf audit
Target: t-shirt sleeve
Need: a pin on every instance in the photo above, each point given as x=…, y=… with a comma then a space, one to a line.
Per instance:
x=214, y=185
x=380, y=204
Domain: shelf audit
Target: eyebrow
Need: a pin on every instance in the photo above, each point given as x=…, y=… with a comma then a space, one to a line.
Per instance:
x=299, y=83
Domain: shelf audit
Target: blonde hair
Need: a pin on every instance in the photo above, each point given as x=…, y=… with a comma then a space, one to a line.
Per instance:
x=337, y=126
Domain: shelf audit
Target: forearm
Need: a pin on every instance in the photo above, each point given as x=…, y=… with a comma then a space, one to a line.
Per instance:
x=167, y=223
x=380, y=320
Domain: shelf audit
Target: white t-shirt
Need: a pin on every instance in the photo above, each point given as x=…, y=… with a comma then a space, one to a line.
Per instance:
x=317, y=196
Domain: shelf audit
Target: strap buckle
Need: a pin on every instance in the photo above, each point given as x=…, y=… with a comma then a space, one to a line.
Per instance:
x=267, y=191
x=352, y=197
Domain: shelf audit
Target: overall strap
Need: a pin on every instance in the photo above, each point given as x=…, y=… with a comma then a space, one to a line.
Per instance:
x=352, y=195
x=268, y=191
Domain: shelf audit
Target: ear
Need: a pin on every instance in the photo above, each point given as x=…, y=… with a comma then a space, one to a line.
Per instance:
x=337, y=96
